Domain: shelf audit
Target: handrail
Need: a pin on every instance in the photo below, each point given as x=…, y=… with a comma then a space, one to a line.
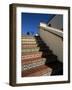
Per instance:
x=51, y=29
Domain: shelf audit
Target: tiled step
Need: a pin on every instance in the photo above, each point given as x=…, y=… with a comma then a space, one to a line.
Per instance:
x=37, y=71
x=27, y=37
x=32, y=45
x=33, y=41
x=31, y=63
x=36, y=49
x=34, y=53
x=31, y=37
x=29, y=46
x=40, y=44
x=29, y=42
x=31, y=55
x=50, y=57
x=26, y=40
x=36, y=57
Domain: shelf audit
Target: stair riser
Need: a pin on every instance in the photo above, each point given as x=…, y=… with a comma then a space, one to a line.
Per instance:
x=29, y=66
x=29, y=46
x=30, y=61
x=40, y=74
x=45, y=53
x=34, y=42
x=28, y=37
x=43, y=72
x=34, y=48
x=28, y=40
x=31, y=56
x=35, y=56
x=34, y=45
x=31, y=50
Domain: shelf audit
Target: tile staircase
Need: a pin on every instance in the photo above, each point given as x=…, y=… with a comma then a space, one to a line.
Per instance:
x=37, y=59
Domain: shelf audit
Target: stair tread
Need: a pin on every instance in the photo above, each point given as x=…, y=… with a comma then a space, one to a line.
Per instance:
x=29, y=46
x=44, y=53
x=39, y=70
x=27, y=39
x=33, y=51
x=38, y=44
x=46, y=48
x=27, y=61
x=28, y=36
x=30, y=53
x=30, y=40
x=27, y=50
x=32, y=48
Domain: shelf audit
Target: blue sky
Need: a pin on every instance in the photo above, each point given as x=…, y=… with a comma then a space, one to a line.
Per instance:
x=31, y=21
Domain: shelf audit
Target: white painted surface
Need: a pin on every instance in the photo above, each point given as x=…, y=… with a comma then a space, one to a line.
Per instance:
x=51, y=29
x=49, y=36
x=54, y=42
x=57, y=22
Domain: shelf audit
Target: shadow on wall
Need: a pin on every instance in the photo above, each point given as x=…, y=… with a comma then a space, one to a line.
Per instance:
x=51, y=59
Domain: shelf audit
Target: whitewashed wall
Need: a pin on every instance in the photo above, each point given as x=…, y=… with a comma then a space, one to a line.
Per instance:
x=54, y=42
x=57, y=22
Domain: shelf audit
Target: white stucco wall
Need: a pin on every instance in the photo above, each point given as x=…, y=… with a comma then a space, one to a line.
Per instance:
x=57, y=22
x=54, y=42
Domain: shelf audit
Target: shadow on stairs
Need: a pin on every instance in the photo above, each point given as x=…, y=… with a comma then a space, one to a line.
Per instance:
x=37, y=59
x=51, y=59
